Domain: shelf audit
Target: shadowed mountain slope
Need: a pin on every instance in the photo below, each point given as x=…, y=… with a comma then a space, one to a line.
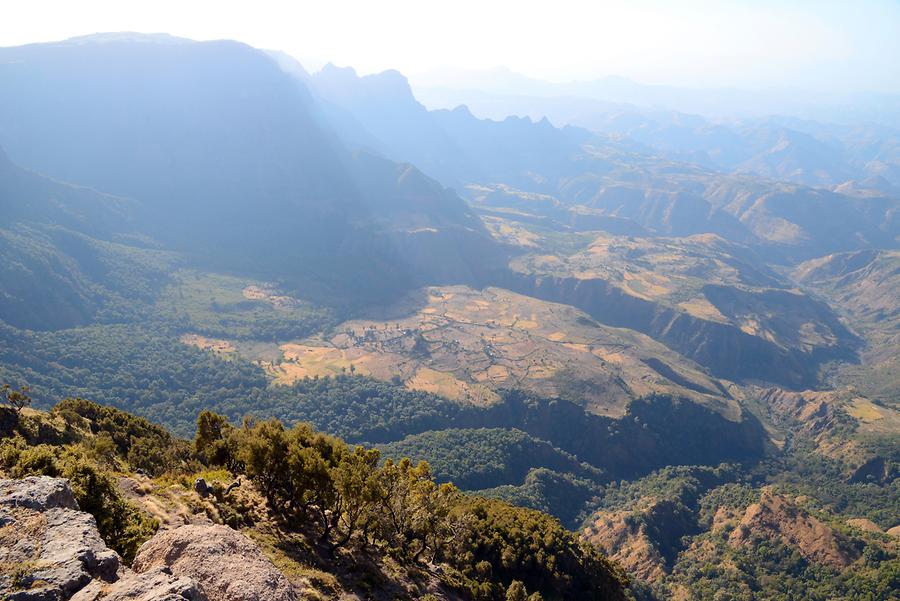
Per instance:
x=230, y=163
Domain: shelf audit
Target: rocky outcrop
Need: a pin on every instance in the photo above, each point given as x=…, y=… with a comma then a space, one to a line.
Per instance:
x=645, y=542
x=52, y=551
x=155, y=585
x=808, y=413
x=776, y=516
x=228, y=565
x=49, y=549
x=38, y=493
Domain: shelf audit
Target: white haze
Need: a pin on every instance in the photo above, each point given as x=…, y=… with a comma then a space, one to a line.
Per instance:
x=829, y=46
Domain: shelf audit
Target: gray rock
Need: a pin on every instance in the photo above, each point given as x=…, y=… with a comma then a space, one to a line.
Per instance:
x=44, y=593
x=43, y=528
x=227, y=565
x=37, y=492
x=154, y=585
x=57, y=546
x=72, y=536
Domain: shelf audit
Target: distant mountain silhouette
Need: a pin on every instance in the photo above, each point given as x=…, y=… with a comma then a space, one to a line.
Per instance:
x=231, y=161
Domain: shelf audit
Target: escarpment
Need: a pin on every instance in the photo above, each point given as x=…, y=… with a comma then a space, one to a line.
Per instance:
x=727, y=350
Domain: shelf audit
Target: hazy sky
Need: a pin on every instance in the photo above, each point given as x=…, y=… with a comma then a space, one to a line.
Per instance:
x=829, y=45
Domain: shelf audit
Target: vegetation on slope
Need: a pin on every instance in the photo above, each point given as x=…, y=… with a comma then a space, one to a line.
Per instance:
x=486, y=457
x=342, y=500
x=789, y=528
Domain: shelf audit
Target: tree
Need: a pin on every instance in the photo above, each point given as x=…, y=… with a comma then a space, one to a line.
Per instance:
x=263, y=453
x=516, y=591
x=17, y=399
x=413, y=511
x=212, y=439
x=356, y=490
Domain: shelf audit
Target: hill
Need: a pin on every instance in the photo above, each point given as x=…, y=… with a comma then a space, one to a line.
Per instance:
x=865, y=287
x=352, y=527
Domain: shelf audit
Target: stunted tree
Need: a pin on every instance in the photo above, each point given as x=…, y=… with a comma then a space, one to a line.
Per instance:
x=356, y=493
x=16, y=399
x=414, y=511
x=212, y=441
x=263, y=452
x=312, y=457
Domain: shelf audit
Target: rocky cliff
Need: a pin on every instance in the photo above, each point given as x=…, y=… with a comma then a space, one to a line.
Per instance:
x=50, y=550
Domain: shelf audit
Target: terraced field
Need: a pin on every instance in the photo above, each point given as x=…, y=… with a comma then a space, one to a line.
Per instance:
x=467, y=344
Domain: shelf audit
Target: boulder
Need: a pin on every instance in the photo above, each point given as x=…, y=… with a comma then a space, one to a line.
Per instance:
x=227, y=565
x=51, y=551
x=38, y=493
x=158, y=584
x=51, y=548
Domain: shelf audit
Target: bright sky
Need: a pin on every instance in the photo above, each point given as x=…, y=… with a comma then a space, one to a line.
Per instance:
x=824, y=44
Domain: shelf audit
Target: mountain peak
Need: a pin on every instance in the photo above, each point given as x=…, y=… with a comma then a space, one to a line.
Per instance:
x=126, y=36
x=331, y=70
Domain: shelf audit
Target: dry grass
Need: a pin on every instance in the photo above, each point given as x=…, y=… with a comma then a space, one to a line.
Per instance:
x=864, y=410
x=467, y=345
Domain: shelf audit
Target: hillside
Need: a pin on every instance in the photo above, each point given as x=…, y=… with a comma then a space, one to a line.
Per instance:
x=699, y=295
x=279, y=195
x=865, y=287
x=71, y=256
x=351, y=528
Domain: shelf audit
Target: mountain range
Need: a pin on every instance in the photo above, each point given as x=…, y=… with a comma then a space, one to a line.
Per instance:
x=674, y=333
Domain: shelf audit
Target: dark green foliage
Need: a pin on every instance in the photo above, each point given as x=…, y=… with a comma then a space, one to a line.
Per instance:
x=399, y=507
x=504, y=543
x=142, y=368
x=212, y=440
x=485, y=457
x=685, y=484
x=359, y=409
x=506, y=464
x=563, y=495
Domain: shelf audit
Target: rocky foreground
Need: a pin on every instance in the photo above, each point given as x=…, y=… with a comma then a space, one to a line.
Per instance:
x=54, y=552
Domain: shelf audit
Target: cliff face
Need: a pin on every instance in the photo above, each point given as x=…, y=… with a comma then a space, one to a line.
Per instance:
x=726, y=349
x=52, y=551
